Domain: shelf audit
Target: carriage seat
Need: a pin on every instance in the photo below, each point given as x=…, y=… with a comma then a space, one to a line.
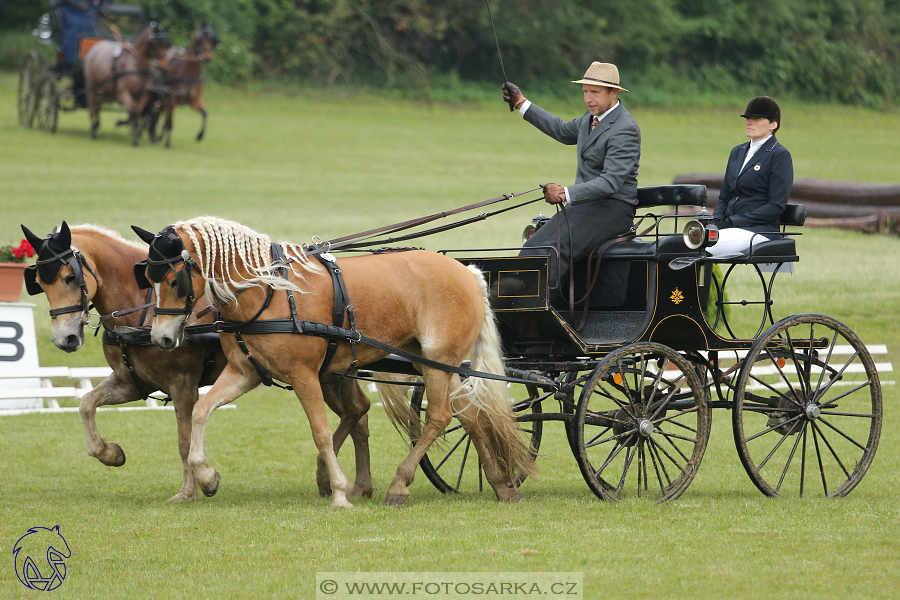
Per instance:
x=611, y=288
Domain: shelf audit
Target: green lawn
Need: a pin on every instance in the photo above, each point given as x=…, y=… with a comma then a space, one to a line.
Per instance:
x=307, y=164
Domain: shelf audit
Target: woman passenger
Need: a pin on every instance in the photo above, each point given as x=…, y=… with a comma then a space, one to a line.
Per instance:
x=757, y=185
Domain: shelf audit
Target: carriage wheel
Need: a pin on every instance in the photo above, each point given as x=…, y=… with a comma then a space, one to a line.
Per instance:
x=47, y=109
x=452, y=464
x=642, y=424
x=807, y=411
x=27, y=100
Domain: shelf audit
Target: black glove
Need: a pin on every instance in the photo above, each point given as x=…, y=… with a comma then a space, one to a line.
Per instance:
x=722, y=224
x=554, y=194
x=512, y=95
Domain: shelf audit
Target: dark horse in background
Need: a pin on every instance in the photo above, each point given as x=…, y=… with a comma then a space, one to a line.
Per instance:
x=114, y=71
x=183, y=81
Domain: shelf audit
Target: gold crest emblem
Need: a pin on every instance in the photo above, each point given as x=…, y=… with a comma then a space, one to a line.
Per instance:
x=677, y=296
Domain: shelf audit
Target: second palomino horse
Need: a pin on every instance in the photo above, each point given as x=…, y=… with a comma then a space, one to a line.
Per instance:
x=420, y=302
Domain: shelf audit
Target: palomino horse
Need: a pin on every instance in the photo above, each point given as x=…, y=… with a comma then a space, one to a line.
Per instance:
x=184, y=81
x=113, y=71
x=87, y=264
x=418, y=301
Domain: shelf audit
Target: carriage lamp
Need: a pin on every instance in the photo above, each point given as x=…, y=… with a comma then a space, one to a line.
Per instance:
x=531, y=228
x=44, y=31
x=698, y=235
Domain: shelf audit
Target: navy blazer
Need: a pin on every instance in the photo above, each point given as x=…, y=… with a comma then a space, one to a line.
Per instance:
x=755, y=198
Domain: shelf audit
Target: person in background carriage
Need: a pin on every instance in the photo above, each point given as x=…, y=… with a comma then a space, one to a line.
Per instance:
x=757, y=184
x=75, y=19
x=602, y=200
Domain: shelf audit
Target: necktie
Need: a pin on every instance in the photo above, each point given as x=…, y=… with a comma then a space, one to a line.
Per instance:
x=594, y=122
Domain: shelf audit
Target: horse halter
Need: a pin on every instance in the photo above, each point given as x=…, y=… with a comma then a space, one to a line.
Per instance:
x=71, y=257
x=184, y=287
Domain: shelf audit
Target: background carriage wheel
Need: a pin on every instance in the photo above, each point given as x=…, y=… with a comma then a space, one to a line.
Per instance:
x=452, y=464
x=807, y=420
x=47, y=108
x=27, y=94
x=642, y=424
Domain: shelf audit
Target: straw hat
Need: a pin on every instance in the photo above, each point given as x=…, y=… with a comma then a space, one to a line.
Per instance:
x=605, y=74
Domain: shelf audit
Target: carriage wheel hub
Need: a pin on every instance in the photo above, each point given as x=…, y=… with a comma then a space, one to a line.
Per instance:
x=646, y=428
x=812, y=411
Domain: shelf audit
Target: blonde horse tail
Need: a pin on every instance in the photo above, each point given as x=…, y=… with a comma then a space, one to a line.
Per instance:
x=396, y=401
x=490, y=397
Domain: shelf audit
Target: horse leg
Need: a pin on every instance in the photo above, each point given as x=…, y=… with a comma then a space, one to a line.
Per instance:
x=347, y=400
x=94, y=110
x=437, y=417
x=110, y=391
x=136, y=119
x=184, y=397
x=494, y=471
x=197, y=104
x=309, y=392
x=167, y=128
x=230, y=385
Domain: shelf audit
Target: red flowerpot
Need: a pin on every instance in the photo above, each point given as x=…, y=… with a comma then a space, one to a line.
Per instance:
x=12, y=276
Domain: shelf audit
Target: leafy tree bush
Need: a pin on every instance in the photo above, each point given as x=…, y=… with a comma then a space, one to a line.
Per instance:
x=830, y=50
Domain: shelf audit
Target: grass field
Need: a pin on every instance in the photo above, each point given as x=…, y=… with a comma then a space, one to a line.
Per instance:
x=304, y=164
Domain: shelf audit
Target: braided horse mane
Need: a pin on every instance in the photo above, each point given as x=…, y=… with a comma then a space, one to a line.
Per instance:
x=227, y=245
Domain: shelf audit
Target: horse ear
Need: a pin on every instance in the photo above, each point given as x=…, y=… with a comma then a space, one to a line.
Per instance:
x=34, y=240
x=143, y=234
x=65, y=236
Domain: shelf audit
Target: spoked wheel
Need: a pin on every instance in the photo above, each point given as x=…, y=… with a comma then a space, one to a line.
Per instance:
x=47, y=110
x=807, y=411
x=642, y=424
x=27, y=98
x=452, y=464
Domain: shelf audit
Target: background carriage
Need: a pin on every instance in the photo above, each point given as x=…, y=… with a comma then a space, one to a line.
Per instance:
x=73, y=28
x=636, y=370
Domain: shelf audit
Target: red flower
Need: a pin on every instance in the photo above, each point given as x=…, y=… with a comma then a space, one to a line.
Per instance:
x=24, y=249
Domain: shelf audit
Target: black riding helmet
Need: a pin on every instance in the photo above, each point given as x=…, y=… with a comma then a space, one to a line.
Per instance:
x=765, y=107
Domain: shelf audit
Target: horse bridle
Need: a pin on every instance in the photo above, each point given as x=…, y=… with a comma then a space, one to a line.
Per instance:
x=184, y=287
x=73, y=258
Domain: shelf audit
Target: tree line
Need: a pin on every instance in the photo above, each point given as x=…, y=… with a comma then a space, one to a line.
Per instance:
x=824, y=50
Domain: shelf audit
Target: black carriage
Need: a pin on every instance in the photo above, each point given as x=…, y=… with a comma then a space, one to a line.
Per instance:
x=72, y=26
x=634, y=370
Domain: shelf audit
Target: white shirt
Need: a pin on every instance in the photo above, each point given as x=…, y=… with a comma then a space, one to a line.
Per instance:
x=524, y=108
x=754, y=146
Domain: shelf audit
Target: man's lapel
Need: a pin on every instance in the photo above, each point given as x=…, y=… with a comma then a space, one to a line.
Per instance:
x=599, y=131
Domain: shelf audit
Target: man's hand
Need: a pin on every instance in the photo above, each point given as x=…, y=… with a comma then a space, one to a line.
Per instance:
x=512, y=95
x=554, y=194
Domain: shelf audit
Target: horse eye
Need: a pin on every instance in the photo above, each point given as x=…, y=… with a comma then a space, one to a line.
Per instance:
x=173, y=283
x=69, y=279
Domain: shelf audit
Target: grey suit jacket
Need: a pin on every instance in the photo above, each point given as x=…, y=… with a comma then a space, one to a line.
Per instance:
x=608, y=157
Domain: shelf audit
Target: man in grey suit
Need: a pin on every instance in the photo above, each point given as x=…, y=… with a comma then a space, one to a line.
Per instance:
x=601, y=203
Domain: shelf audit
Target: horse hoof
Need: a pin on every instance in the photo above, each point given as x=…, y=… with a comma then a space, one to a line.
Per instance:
x=359, y=491
x=182, y=497
x=512, y=496
x=341, y=503
x=210, y=490
x=396, y=500
x=114, y=456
